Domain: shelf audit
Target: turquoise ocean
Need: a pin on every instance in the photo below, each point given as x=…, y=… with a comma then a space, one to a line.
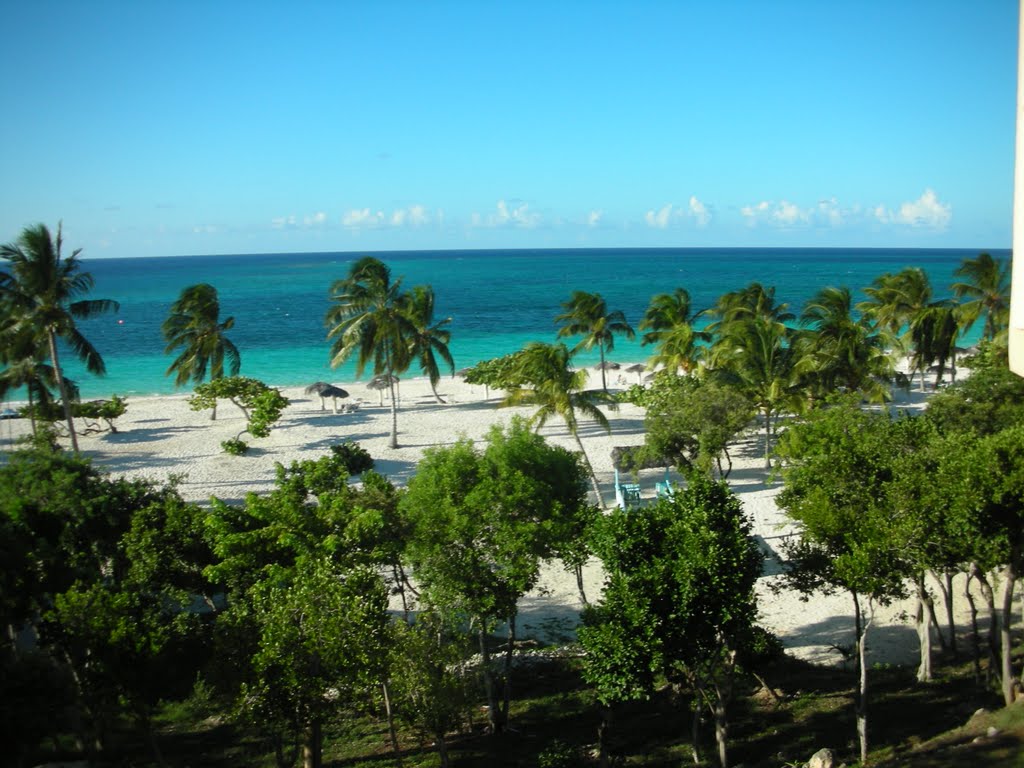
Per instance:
x=497, y=300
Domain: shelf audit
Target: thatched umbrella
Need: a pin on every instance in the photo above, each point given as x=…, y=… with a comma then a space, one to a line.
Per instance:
x=381, y=382
x=323, y=389
x=607, y=365
x=638, y=369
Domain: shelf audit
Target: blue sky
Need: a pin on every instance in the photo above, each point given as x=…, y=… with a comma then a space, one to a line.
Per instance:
x=176, y=128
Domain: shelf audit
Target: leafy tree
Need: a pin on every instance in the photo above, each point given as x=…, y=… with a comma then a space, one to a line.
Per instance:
x=23, y=358
x=306, y=603
x=754, y=355
x=838, y=463
x=902, y=305
x=92, y=412
x=679, y=599
x=587, y=315
x=483, y=521
x=429, y=340
x=691, y=422
x=497, y=373
x=78, y=578
x=992, y=484
x=543, y=377
x=370, y=320
x=194, y=325
x=321, y=630
x=840, y=351
x=41, y=292
x=987, y=401
x=668, y=322
x=986, y=286
x=429, y=678
x=261, y=405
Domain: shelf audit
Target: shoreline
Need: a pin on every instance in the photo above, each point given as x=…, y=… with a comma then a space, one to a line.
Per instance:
x=159, y=437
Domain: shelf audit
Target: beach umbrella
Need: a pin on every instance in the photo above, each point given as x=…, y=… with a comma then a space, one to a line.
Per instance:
x=637, y=368
x=607, y=365
x=323, y=389
x=382, y=382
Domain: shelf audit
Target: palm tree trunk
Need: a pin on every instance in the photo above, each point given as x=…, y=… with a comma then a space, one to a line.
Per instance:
x=604, y=381
x=394, y=411
x=590, y=471
x=52, y=338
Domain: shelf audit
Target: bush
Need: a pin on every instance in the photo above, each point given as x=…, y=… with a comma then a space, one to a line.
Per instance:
x=353, y=457
x=560, y=754
x=235, y=447
x=636, y=394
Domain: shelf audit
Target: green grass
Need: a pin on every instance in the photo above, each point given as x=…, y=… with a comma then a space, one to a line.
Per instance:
x=911, y=724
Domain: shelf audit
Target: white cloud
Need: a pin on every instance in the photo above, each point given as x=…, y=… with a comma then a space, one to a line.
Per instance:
x=594, y=218
x=659, y=219
x=517, y=214
x=670, y=214
x=927, y=211
x=316, y=219
x=788, y=215
x=699, y=211
x=409, y=218
x=362, y=217
x=829, y=212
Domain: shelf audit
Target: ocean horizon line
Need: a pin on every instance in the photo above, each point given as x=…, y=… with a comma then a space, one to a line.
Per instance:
x=659, y=249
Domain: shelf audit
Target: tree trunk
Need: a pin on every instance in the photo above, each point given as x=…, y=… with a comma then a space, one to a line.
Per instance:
x=604, y=380
x=52, y=338
x=695, y=729
x=603, y=758
x=946, y=588
x=723, y=694
x=154, y=744
x=437, y=397
x=993, y=618
x=32, y=412
x=975, y=634
x=509, y=652
x=1009, y=682
x=442, y=748
x=924, y=634
x=494, y=725
x=394, y=411
x=578, y=570
x=590, y=471
x=391, y=724
x=862, y=699
x=312, y=743
x=767, y=438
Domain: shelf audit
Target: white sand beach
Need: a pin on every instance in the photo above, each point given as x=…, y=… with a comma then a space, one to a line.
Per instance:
x=160, y=437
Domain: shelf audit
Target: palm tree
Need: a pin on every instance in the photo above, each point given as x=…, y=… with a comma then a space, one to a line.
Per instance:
x=669, y=324
x=753, y=352
x=753, y=301
x=194, y=325
x=755, y=355
x=23, y=358
x=553, y=385
x=370, y=319
x=587, y=314
x=987, y=286
x=429, y=339
x=839, y=350
x=899, y=304
x=41, y=292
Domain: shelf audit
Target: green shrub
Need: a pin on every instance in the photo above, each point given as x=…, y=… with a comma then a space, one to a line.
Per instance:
x=353, y=457
x=235, y=447
x=560, y=754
